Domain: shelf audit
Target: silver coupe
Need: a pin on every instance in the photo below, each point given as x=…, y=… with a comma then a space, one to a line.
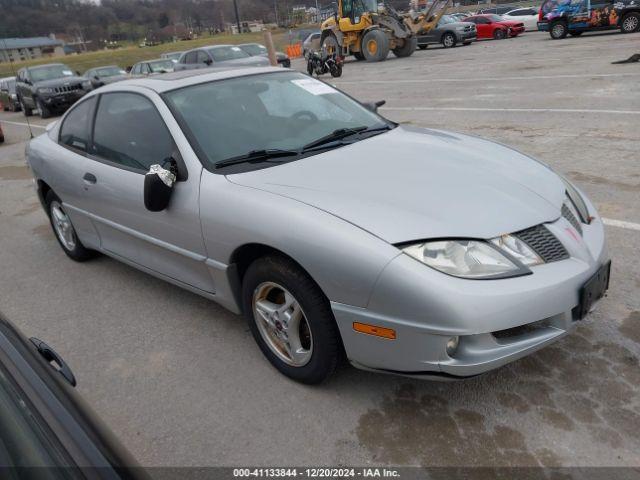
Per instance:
x=337, y=233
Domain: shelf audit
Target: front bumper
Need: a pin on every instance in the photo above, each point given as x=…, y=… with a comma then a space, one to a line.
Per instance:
x=543, y=26
x=64, y=100
x=515, y=31
x=467, y=36
x=496, y=321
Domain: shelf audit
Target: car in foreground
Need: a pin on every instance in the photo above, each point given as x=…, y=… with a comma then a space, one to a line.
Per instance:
x=449, y=32
x=333, y=230
x=50, y=88
x=311, y=43
x=172, y=56
x=528, y=17
x=152, y=67
x=8, y=97
x=491, y=25
x=101, y=76
x=563, y=17
x=218, y=56
x=256, y=49
x=47, y=430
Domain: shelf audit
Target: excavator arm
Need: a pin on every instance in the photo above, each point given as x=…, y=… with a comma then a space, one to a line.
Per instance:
x=424, y=21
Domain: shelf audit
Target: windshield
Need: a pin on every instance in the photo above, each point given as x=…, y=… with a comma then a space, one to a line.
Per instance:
x=50, y=72
x=173, y=55
x=160, y=66
x=285, y=111
x=221, y=54
x=254, y=49
x=109, y=72
x=447, y=19
x=495, y=18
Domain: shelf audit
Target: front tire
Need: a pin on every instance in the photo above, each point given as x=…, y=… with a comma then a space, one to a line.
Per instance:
x=449, y=40
x=64, y=231
x=408, y=47
x=558, y=30
x=290, y=319
x=630, y=23
x=375, y=46
x=25, y=110
x=44, y=111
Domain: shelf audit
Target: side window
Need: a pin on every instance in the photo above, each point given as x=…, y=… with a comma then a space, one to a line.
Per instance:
x=75, y=129
x=191, y=58
x=135, y=70
x=130, y=132
x=482, y=21
x=202, y=57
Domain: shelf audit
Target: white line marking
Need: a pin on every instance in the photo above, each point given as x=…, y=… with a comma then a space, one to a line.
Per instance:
x=487, y=79
x=33, y=125
x=521, y=110
x=621, y=224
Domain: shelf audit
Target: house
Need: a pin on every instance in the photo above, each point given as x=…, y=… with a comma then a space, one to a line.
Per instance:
x=20, y=49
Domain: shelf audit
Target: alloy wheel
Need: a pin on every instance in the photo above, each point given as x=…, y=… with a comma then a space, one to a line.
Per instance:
x=62, y=226
x=282, y=324
x=630, y=23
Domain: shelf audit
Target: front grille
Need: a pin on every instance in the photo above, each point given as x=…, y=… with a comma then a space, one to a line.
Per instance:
x=68, y=88
x=568, y=215
x=544, y=243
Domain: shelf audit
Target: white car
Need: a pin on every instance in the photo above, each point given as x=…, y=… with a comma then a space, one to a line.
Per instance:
x=528, y=16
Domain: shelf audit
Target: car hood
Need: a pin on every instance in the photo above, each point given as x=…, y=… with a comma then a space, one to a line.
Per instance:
x=257, y=61
x=114, y=79
x=410, y=184
x=459, y=24
x=56, y=82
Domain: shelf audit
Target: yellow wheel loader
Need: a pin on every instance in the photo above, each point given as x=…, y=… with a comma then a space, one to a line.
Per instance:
x=367, y=30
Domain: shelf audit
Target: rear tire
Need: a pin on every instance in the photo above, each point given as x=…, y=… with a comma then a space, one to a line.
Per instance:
x=558, y=30
x=449, y=40
x=375, y=46
x=408, y=47
x=64, y=231
x=499, y=34
x=268, y=280
x=630, y=23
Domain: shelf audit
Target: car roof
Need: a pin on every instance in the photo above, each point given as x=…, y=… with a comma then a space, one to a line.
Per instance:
x=36, y=67
x=184, y=78
x=247, y=44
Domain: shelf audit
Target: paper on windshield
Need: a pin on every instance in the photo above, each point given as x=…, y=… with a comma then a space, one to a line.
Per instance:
x=313, y=86
x=67, y=72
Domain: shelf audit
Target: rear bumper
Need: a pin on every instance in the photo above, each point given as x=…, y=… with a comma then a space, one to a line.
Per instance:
x=496, y=321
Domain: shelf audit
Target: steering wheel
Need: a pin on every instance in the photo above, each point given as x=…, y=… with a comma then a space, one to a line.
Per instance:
x=305, y=115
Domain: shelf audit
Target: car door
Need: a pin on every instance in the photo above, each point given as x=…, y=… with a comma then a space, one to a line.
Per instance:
x=203, y=60
x=483, y=27
x=129, y=136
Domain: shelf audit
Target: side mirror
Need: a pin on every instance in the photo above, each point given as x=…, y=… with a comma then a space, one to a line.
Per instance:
x=208, y=61
x=158, y=185
x=78, y=73
x=95, y=77
x=373, y=106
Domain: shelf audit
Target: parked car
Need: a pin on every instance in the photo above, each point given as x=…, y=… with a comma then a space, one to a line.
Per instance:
x=574, y=17
x=500, y=10
x=272, y=193
x=152, y=67
x=459, y=16
x=172, y=56
x=48, y=431
x=494, y=26
x=218, y=55
x=311, y=44
x=255, y=49
x=50, y=88
x=528, y=16
x=100, y=76
x=449, y=32
x=8, y=97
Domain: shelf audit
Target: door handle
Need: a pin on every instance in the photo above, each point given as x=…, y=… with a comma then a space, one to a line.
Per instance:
x=50, y=355
x=89, y=178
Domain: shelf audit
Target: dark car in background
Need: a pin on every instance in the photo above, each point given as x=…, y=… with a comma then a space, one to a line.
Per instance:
x=46, y=429
x=50, y=88
x=219, y=55
x=8, y=97
x=256, y=49
x=574, y=17
x=449, y=32
x=100, y=76
x=152, y=67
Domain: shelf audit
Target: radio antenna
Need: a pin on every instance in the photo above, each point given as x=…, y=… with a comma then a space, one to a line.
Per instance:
x=13, y=71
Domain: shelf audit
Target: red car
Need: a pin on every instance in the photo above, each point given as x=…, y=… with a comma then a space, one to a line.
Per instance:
x=490, y=25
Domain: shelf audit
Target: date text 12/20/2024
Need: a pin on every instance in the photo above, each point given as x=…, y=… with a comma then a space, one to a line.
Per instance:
x=323, y=472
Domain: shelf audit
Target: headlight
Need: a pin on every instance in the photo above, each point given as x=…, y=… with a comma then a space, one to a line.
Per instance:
x=517, y=249
x=45, y=90
x=87, y=85
x=467, y=258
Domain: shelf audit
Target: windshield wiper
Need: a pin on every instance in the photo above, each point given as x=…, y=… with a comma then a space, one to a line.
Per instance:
x=257, y=156
x=341, y=133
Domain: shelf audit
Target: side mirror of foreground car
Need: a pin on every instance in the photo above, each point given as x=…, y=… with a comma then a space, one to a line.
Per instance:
x=373, y=106
x=158, y=185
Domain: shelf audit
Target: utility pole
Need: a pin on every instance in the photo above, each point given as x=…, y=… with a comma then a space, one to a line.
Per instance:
x=235, y=7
